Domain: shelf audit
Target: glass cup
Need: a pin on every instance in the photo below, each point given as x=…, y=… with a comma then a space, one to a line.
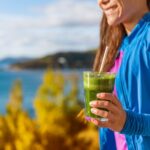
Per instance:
x=94, y=83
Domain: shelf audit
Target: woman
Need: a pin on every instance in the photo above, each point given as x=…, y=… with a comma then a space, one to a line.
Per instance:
x=125, y=29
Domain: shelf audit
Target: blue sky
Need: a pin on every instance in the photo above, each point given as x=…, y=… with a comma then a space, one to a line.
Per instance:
x=35, y=28
x=23, y=7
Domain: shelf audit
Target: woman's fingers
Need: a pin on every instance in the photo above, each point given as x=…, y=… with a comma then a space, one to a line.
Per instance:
x=109, y=96
x=104, y=104
x=105, y=124
x=100, y=112
x=104, y=114
x=108, y=107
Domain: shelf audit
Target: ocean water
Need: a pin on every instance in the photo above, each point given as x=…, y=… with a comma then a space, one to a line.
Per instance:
x=31, y=80
x=30, y=83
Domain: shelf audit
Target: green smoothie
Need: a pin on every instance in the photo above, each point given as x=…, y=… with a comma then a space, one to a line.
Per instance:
x=94, y=83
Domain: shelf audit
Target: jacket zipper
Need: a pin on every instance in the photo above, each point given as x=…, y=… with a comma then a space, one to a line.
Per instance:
x=123, y=91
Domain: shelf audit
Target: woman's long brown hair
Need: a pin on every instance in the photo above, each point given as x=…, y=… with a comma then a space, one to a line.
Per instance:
x=110, y=36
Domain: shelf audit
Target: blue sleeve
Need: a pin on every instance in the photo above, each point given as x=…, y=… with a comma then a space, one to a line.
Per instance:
x=139, y=123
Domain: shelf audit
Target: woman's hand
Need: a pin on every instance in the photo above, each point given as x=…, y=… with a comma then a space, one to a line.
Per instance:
x=116, y=115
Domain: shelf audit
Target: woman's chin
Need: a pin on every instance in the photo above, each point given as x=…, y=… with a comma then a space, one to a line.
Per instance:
x=112, y=22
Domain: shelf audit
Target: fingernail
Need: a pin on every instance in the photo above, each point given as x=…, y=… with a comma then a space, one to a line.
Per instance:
x=91, y=103
x=93, y=110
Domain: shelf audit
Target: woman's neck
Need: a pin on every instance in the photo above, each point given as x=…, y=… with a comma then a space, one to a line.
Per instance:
x=129, y=25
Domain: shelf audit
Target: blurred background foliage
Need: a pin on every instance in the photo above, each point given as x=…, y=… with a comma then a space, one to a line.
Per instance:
x=55, y=125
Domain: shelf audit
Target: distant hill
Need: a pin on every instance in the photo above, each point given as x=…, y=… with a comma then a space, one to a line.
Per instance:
x=6, y=62
x=59, y=60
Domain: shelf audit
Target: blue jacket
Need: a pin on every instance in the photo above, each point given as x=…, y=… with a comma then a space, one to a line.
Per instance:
x=133, y=89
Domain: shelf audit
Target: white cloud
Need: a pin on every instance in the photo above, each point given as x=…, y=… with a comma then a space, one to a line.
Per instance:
x=62, y=25
x=72, y=12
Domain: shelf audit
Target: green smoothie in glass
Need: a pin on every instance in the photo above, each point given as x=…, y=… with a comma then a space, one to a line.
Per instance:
x=94, y=83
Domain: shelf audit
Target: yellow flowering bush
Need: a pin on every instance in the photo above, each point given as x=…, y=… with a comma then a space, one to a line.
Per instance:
x=55, y=125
